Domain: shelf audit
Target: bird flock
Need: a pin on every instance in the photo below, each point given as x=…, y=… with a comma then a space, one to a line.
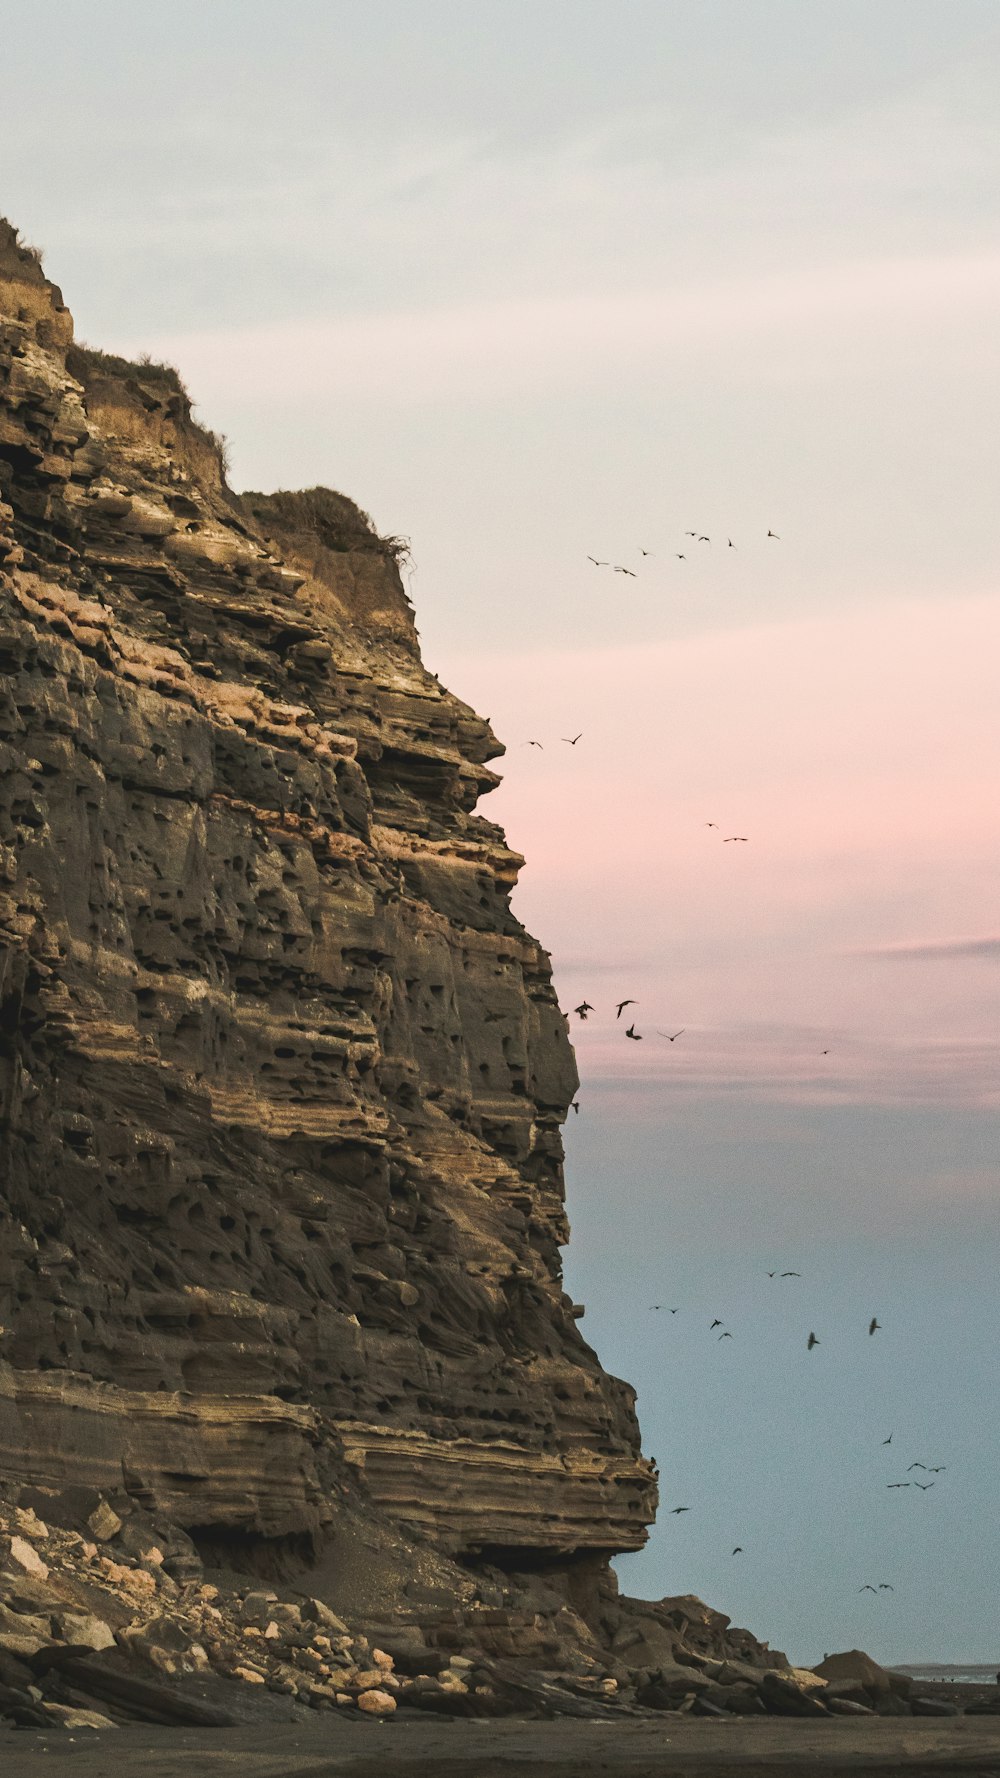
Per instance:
x=812, y=1340
x=586, y=1008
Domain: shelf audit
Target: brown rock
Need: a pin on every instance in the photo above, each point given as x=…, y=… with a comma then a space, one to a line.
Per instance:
x=377, y=1703
x=858, y=1668
x=23, y=1556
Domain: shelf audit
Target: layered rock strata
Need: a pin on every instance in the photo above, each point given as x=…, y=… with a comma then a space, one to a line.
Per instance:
x=282, y=1078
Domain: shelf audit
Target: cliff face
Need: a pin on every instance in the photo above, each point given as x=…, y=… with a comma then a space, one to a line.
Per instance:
x=281, y=1076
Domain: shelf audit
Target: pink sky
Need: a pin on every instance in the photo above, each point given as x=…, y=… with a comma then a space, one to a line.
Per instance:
x=859, y=754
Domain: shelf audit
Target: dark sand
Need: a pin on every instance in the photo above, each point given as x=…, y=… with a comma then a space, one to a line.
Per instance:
x=423, y=1748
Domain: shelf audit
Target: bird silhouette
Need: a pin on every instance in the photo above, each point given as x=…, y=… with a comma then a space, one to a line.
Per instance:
x=774, y=534
x=738, y=1551
x=571, y=740
x=897, y=1484
x=690, y=533
x=884, y=1587
x=704, y=540
x=575, y=1106
x=916, y=1466
x=711, y=824
x=791, y=1274
x=635, y=1035
x=583, y=1009
x=938, y=1468
x=675, y=1036
x=531, y=743
x=923, y=1486
x=867, y=1588
x=644, y=552
x=680, y=557
x=811, y=1342
x=873, y=1325
x=887, y=1441
x=731, y=543
x=622, y=1005
x=741, y=837
x=728, y=1336
x=680, y=1509
x=598, y=564
x=772, y=1274
x=715, y=1323
x=629, y=571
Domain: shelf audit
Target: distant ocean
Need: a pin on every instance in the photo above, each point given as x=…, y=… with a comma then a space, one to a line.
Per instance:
x=959, y=1675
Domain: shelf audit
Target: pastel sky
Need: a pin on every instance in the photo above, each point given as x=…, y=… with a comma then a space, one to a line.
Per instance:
x=541, y=281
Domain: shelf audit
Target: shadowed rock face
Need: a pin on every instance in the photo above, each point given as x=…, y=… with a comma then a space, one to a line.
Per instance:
x=281, y=1076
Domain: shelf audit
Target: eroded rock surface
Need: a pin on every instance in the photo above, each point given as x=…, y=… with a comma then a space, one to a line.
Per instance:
x=282, y=1078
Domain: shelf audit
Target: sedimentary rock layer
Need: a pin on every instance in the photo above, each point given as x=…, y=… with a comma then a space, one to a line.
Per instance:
x=281, y=1076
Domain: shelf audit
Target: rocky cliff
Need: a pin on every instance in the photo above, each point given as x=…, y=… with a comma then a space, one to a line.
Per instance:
x=281, y=1076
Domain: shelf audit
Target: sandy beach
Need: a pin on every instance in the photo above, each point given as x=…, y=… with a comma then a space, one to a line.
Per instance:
x=443, y=1749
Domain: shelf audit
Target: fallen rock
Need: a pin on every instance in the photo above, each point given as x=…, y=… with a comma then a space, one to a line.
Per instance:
x=86, y=1631
x=104, y=1523
x=22, y=1555
x=934, y=1707
x=783, y=1695
x=376, y=1703
x=855, y=1665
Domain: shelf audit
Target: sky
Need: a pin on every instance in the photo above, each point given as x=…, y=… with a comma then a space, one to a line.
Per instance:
x=535, y=283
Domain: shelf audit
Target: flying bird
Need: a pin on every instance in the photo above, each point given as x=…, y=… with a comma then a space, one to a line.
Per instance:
x=598, y=564
x=635, y=1035
x=575, y=1106
x=916, y=1466
x=629, y=571
x=937, y=1469
x=741, y=837
x=924, y=1485
x=867, y=1588
x=690, y=533
x=531, y=743
x=897, y=1484
x=791, y=1274
x=680, y=1509
x=738, y=1551
x=731, y=543
x=873, y=1325
x=583, y=1009
x=715, y=1323
x=644, y=552
x=675, y=1036
x=571, y=740
x=711, y=824
x=704, y=540
x=728, y=1336
x=622, y=1004
x=679, y=556
x=887, y=1441
x=884, y=1587
x=774, y=534
x=772, y=1274
x=811, y=1342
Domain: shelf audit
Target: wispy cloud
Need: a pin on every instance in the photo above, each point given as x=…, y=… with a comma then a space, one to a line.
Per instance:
x=931, y=950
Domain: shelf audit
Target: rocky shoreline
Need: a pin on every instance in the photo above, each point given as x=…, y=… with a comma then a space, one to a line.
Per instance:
x=108, y=1617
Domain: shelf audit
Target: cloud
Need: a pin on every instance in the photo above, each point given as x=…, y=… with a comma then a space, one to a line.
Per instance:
x=931, y=950
x=489, y=347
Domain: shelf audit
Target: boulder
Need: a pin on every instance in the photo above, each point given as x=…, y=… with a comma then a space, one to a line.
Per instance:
x=22, y=1555
x=855, y=1665
x=377, y=1703
x=783, y=1695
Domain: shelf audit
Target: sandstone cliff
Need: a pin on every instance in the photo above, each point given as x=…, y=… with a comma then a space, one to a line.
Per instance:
x=281, y=1076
